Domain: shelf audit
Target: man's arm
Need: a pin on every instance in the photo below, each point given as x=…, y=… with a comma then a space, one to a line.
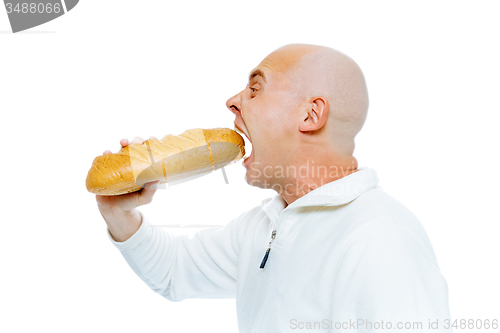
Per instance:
x=180, y=267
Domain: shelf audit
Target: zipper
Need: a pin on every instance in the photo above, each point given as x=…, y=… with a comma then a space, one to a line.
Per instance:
x=264, y=260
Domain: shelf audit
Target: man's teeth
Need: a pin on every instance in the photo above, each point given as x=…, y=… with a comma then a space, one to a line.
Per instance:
x=238, y=130
x=241, y=132
x=247, y=142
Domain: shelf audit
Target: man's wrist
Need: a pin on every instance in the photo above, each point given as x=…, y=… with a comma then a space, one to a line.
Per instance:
x=127, y=225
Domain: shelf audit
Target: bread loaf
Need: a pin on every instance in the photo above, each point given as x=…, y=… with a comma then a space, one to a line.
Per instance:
x=172, y=159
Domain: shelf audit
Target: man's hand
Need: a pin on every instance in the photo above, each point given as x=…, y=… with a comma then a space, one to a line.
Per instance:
x=119, y=211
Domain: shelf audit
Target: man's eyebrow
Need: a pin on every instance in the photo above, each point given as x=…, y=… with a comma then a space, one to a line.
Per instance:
x=258, y=72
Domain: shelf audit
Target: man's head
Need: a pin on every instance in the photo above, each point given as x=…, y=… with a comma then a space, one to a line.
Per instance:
x=303, y=105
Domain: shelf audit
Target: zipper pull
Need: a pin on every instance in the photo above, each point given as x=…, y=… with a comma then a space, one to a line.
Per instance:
x=264, y=260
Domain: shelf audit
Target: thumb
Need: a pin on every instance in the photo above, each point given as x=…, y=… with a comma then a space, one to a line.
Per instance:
x=147, y=193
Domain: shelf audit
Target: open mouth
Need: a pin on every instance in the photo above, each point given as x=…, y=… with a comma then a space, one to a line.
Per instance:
x=248, y=158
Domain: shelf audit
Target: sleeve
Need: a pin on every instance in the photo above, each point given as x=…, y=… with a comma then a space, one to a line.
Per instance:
x=389, y=281
x=180, y=266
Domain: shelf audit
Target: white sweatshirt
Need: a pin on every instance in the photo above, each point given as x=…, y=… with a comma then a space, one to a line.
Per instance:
x=346, y=257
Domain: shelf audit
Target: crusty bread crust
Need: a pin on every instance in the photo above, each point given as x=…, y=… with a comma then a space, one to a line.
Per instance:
x=171, y=159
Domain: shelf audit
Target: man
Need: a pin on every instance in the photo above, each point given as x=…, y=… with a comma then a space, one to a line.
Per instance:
x=331, y=251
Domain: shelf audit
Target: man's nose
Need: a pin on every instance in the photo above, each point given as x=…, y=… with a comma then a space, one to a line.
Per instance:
x=234, y=103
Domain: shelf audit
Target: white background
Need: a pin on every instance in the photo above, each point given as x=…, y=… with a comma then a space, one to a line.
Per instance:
x=73, y=87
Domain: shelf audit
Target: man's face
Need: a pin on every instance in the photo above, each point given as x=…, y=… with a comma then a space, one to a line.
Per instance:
x=264, y=111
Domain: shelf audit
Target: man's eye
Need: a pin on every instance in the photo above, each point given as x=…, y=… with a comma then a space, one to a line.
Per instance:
x=253, y=90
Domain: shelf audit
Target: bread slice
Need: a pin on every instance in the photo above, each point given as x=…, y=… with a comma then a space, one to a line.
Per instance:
x=172, y=159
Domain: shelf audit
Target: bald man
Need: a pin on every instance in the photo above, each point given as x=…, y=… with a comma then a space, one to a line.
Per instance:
x=331, y=252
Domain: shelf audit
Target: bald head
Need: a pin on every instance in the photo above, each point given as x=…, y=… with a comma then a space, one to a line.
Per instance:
x=318, y=71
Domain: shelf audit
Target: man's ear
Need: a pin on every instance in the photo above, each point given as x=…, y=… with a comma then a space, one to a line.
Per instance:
x=315, y=116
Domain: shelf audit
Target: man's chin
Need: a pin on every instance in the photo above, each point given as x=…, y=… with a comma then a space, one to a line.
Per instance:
x=252, y=175
x=247, y=162
x=252, y=178
x=254, y=182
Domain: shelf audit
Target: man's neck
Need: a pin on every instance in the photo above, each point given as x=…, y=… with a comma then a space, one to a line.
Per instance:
x=301, y=187
x=294, y=188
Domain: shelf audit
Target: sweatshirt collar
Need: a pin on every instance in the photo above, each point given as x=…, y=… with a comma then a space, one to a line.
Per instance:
x=338, y=192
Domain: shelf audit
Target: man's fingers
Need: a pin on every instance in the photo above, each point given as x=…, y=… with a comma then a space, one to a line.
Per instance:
x=138, y=140
x=148, y=192
x=152, y=185
x=124, y=142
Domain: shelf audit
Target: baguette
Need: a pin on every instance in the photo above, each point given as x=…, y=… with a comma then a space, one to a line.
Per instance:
x=171, y=160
